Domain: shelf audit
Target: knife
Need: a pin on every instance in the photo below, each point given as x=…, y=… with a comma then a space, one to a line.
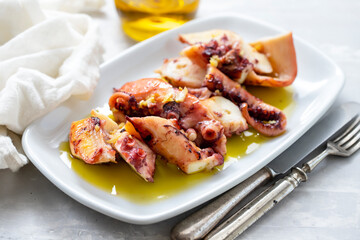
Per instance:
x=200, y=223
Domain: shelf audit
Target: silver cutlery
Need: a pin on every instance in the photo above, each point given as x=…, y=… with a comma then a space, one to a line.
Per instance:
x=200, y=223
x=344, y=145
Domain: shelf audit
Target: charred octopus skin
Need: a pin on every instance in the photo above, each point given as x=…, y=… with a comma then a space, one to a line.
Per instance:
x=265, y=118
x=147, y=96
x=136, y=153
x=224, y=56
x=139, y=98
x=156, y=97
x=227, y=53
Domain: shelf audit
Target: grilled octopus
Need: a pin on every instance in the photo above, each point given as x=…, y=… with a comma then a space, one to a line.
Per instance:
x=229, y=61
x=98, y=139
x=88, y=141
x=189, y=125
x=165, y=137
x=263, y=117
x=156, y=97
x=267, y=62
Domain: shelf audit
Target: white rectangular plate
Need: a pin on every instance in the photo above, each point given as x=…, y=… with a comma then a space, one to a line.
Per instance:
x=318, y=83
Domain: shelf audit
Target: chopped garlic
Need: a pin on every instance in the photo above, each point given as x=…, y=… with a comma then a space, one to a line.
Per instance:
x=121, y=125
x=258, y=47
x=217, y=92
x=269, y=122
x=147, y=102
x=214, y=60
x=180, y=66
x=114, y=137
x=142, y=104
x=168, y=97
x=163, y=78
x=180, y=96
x=151, y=98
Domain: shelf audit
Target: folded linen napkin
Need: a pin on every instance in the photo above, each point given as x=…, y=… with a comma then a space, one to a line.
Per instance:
x=45, y=57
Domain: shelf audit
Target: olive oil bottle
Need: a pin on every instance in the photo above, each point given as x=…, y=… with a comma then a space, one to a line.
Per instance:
x=142, y=19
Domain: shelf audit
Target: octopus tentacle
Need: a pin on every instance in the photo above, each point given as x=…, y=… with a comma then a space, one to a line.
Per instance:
x=122, y=104
x=160, y=99
x=271, y=124
x=211, y=130
x=265, y=118
x=165, y=138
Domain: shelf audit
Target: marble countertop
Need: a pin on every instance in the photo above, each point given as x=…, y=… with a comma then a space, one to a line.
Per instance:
x=326, y=207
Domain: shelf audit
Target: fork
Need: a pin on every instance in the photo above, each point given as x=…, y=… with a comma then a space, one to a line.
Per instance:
x=344, y=145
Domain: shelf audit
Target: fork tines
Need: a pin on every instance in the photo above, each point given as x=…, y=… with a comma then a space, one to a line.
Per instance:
x=349, y=140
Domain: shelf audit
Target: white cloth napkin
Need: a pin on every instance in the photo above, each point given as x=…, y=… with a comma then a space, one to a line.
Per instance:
x=45, y=57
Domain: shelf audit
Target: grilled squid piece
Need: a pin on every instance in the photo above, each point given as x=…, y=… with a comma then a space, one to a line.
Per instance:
x=88, y=141
x=265, y=118
x=181, y=72
x=269, y=62
x=164, y=137
x=156, y=97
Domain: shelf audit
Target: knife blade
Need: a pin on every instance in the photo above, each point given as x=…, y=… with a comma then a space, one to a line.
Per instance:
x=198, y=224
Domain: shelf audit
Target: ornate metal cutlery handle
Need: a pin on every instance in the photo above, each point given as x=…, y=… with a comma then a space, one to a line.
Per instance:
x=198, y=224
x=255, y=209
